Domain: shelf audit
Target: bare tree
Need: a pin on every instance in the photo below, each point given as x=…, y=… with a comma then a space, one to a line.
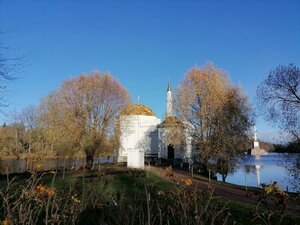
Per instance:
x=11, y=140
x=279, y=98
x=7, y=62
x=218, y=114
x=8, y=65
x=33, y=140
x=83, y=111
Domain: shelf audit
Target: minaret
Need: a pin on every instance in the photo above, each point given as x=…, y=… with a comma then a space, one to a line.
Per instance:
x=169, y=101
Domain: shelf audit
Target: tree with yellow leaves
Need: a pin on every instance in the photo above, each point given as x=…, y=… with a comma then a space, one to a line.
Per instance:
x=218, y=114
x=81, y=114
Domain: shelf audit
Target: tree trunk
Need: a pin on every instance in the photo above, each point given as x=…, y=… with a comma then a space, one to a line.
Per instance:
x=64, y=169
x=224, y=170
x=205, y=167
x=224, y=177
x=27, y=162
x=89, y=159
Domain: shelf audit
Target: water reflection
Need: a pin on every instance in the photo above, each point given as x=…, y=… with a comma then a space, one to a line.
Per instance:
x=253, y=171
x=21, y=165
x=258, y=167
x=249, y=169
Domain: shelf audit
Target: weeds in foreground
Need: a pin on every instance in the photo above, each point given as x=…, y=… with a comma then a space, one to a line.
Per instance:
x=32, y=202
x=118, y=197
x=272, y=204
x=91, y=200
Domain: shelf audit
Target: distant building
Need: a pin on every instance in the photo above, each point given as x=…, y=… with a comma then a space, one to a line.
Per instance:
x=142, y=134
x=256, y=150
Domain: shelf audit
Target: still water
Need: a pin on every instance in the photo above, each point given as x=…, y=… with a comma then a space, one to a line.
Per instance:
x=279, y=167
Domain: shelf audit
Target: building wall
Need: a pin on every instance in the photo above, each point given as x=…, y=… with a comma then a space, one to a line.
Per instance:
x=138, y=132
x=183, y=152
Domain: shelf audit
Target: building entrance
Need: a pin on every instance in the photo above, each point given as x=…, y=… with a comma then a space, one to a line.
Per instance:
x=170, y=151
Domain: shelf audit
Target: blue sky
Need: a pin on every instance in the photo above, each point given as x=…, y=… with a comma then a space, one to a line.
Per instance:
x=143, y=43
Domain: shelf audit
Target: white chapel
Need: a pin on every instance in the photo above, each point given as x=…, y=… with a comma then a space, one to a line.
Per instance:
x=144, y=135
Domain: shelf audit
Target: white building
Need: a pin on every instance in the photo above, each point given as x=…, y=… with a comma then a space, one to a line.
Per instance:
x=142, y=134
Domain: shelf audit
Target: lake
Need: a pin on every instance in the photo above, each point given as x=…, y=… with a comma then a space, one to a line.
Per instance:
x=253, y=171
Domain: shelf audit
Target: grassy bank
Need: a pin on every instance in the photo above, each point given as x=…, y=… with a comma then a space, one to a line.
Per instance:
x=116, y=195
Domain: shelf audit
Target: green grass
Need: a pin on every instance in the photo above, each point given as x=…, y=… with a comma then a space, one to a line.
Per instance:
x=135, y=186
x=118, y=182
x=130, y=186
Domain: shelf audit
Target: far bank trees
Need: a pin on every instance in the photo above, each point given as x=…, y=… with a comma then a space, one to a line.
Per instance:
x=218, y=113
x=23, y=138
x=81, y=114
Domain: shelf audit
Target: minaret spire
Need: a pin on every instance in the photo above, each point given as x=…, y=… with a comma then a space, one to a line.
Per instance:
x=169, y=86
x=169, y=100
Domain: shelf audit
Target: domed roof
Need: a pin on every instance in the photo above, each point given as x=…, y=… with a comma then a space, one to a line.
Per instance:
x=171, y=120
x=137, y=109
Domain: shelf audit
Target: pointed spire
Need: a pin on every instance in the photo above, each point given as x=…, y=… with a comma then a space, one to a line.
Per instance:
x=169, y=86
x=169, y=100
x=138, y=100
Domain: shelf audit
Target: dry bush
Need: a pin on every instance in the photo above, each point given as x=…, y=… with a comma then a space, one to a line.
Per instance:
x=87, y=201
